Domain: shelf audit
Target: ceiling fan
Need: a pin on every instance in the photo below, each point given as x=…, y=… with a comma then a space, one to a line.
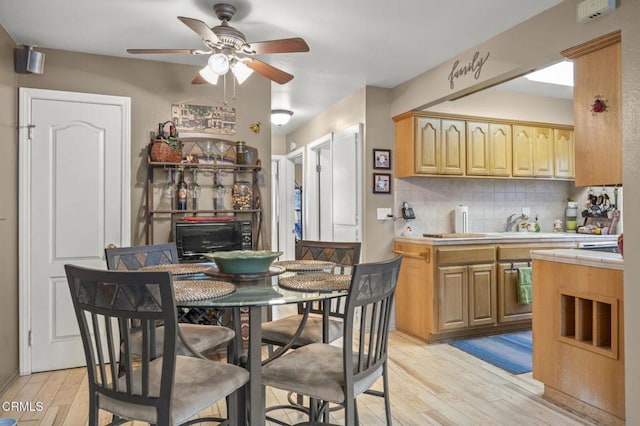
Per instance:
x=228, y=49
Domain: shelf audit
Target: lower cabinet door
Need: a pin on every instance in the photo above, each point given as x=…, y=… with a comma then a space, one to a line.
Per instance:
x=453, y=312
x=467, y=296
x=509, y=310
x=482, y=295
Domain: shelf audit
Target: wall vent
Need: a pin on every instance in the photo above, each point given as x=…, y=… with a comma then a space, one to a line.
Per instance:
x=589, y=10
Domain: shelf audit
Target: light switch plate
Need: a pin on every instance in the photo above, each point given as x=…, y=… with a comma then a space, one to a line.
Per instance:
x=384, y=214
x=526, y=211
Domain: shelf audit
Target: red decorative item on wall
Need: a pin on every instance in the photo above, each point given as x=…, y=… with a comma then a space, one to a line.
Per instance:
x=599, y=105
x=620, y=244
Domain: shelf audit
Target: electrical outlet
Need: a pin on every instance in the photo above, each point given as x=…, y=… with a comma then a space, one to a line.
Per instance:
x=384, y=214
x=526, y=211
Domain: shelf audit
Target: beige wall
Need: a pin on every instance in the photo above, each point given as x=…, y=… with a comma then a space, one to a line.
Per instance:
x=8, y=214
x=369, y=106
x=378, y=134
x=494, y=103
x=344, y=114
x=152, y=87
x=536, y=42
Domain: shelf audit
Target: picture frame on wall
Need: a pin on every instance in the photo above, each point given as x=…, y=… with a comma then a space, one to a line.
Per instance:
x=381, y=158
x=381, y=183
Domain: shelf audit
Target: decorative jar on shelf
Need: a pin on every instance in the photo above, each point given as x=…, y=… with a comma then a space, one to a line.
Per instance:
x=242, y=196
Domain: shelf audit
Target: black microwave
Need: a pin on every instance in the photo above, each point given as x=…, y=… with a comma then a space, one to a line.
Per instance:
x=193, y=239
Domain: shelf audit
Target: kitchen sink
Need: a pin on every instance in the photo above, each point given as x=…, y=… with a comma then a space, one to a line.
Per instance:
x=528, y=234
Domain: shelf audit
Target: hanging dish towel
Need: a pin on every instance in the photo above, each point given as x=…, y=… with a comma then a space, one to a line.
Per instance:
x=524, y=285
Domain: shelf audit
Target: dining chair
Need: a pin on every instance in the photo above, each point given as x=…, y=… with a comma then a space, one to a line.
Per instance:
x=202, y=338
x=328, y=373
x=165, y=390
x=325, y=323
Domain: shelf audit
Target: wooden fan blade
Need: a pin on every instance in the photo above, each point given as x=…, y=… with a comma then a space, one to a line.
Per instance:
x=285, y=45
x=201, y=29
x=198, y=80
x=186, y=51
x=266, y=70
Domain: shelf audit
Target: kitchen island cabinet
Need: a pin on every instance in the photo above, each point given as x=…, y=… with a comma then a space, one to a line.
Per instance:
x=578, y=328
x=460, y=287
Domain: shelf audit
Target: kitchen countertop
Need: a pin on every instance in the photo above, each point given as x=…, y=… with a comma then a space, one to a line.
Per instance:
x=581, y=257
x=509, y=237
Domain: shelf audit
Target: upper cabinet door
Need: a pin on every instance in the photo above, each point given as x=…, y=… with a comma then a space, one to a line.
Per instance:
x=564, y=150
x=500, y=149
x=427, y=145
x=453, y=147
x=522, y=151
x=543, y=156
x=597, y=135
x=488, y=149
x=478, y=160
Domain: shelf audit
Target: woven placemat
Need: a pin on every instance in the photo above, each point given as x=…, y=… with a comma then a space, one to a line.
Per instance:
x=305, y=265
x=316, y=282
x=179, y=268
x=192, y=290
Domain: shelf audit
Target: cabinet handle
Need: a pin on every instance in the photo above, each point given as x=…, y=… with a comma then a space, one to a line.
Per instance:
x=426, y=255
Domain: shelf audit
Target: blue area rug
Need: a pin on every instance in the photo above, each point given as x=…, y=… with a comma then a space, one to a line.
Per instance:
x=511, y=351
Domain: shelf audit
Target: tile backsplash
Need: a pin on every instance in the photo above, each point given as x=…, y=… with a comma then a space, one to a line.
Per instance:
x=490, y=202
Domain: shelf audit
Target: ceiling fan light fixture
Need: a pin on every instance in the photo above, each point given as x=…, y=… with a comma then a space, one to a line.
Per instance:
x=280, y=117
x=241, y=71
x=219, y=63
x=210, y=76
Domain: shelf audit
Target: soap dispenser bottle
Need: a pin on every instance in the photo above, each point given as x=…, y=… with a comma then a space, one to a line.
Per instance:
x=536, y=226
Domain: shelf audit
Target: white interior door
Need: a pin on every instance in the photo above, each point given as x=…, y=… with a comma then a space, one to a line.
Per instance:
x=318, y=194
x=74, y=200
x=346, y=175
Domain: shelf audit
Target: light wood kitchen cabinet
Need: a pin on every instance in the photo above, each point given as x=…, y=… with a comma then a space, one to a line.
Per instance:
x=467, y=296
x=533, y=153
x=564, y=149
x=414, y=292
x=451, y=291
x=508, y=307
x=579, y=329
x=453, y=145
x=429, y=145
x=440, y=146
x=598, y=136
x=488, y=149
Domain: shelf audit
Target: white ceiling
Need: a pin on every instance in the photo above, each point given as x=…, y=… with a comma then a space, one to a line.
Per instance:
x=352, y=43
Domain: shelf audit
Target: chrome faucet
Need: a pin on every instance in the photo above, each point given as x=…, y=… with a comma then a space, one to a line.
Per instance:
x=511, y=222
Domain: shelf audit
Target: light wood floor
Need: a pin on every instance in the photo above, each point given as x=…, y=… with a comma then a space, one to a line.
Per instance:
x=431, y=385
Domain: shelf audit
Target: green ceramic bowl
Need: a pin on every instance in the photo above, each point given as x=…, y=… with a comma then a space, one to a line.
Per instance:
x=244, y=261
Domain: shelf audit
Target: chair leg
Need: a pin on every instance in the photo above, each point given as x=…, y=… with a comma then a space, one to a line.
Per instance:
x=385, y=388
x=93, y=410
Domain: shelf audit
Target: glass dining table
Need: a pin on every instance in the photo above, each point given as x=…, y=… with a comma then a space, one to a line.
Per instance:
x=255, y=294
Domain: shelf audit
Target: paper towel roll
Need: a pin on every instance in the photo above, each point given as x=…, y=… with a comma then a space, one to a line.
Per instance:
x=461, y=225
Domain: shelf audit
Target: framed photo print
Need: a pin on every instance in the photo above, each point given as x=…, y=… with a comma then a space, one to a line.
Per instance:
x=381, y=183
x=381, y=158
